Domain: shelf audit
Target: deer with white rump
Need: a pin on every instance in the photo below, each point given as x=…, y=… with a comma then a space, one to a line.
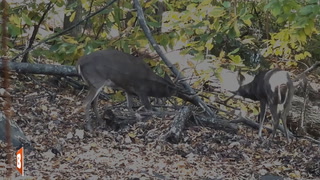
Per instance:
x=273, y=88
x=117, y=69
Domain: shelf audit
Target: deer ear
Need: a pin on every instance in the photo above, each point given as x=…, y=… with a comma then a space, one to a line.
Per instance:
x=240, y=77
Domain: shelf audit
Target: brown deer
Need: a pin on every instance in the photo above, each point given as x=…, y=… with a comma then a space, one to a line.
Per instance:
x=118, y=69
x=273, y=88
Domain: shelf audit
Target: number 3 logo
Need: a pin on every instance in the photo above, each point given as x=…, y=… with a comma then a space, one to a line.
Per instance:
x=20, y=161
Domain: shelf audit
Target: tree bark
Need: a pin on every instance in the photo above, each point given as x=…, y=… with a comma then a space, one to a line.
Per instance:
x=75, y=32
x=174, y=134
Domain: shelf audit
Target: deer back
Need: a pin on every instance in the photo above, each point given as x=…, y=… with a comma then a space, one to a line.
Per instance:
x=115, y=68
x=270, y=86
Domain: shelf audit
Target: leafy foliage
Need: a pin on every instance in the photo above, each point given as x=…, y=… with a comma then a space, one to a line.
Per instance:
x=241, y=29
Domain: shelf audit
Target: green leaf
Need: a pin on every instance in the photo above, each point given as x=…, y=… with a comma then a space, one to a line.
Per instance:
x=26, y=19
x=236, y=29
x=246, y=19
x=55, y=47
x=164, y=41
x=306, y=10
x=189, y=31
x=276, y=10
x=308, y=29
x=217, y=11
x=88, y=49
x=226, y=4
x=234, y=51
x=71, y=50
x=14, y=30
x=154, y=24
x=59, y=3
x=312, y=1
x=243, y=12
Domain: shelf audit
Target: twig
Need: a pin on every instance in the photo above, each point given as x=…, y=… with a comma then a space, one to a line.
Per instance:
x=314, y=66
x=36, y=30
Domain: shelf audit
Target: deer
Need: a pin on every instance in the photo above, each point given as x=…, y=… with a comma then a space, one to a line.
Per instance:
x=117, y=69
x=273, y=88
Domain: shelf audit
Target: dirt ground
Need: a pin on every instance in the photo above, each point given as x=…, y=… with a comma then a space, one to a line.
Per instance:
x=45, y=110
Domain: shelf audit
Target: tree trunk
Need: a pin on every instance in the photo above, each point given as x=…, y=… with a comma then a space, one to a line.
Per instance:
x=78, y=17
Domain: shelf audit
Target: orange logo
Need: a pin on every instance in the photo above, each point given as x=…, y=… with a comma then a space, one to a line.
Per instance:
x=20, y=162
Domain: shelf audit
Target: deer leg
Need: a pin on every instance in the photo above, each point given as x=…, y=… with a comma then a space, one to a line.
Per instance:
x=95, y=109
x=92, y=95
x=276, y=118
x=263, y=106
x=129, y=101
x=284, y=122
x=145, y=101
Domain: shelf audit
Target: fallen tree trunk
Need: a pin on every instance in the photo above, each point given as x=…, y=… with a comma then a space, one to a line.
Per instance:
x=178, y=124
x=47, y=69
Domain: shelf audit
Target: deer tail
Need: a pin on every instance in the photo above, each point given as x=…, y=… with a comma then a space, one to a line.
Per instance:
x=282, y=100
x=79, y=71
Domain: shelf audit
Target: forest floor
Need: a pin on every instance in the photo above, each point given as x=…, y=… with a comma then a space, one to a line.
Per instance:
x=45, y=110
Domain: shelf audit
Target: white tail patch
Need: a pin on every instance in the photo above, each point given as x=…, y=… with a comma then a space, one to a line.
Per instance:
x=277, y=79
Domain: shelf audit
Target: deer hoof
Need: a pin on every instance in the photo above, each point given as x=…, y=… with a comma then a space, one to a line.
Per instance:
x=88, y=127
x=101, y=122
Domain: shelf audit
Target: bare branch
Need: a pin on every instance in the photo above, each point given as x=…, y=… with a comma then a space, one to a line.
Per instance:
x=155, y=45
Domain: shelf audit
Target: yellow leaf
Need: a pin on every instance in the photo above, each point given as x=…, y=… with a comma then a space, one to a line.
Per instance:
x=307, y=54
x=148, y=4
x=209, y=44
x=200, y=31
x=278, y=52
x=85, y=4
x=192, y=7
x=73, y=15
x=247, y=22
x=222, y=54
x=70, y=40
x=132, y=135
x=295, y=174
x=205, y=3
x=190, y=64
x=15, y=19
x=291, y=63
